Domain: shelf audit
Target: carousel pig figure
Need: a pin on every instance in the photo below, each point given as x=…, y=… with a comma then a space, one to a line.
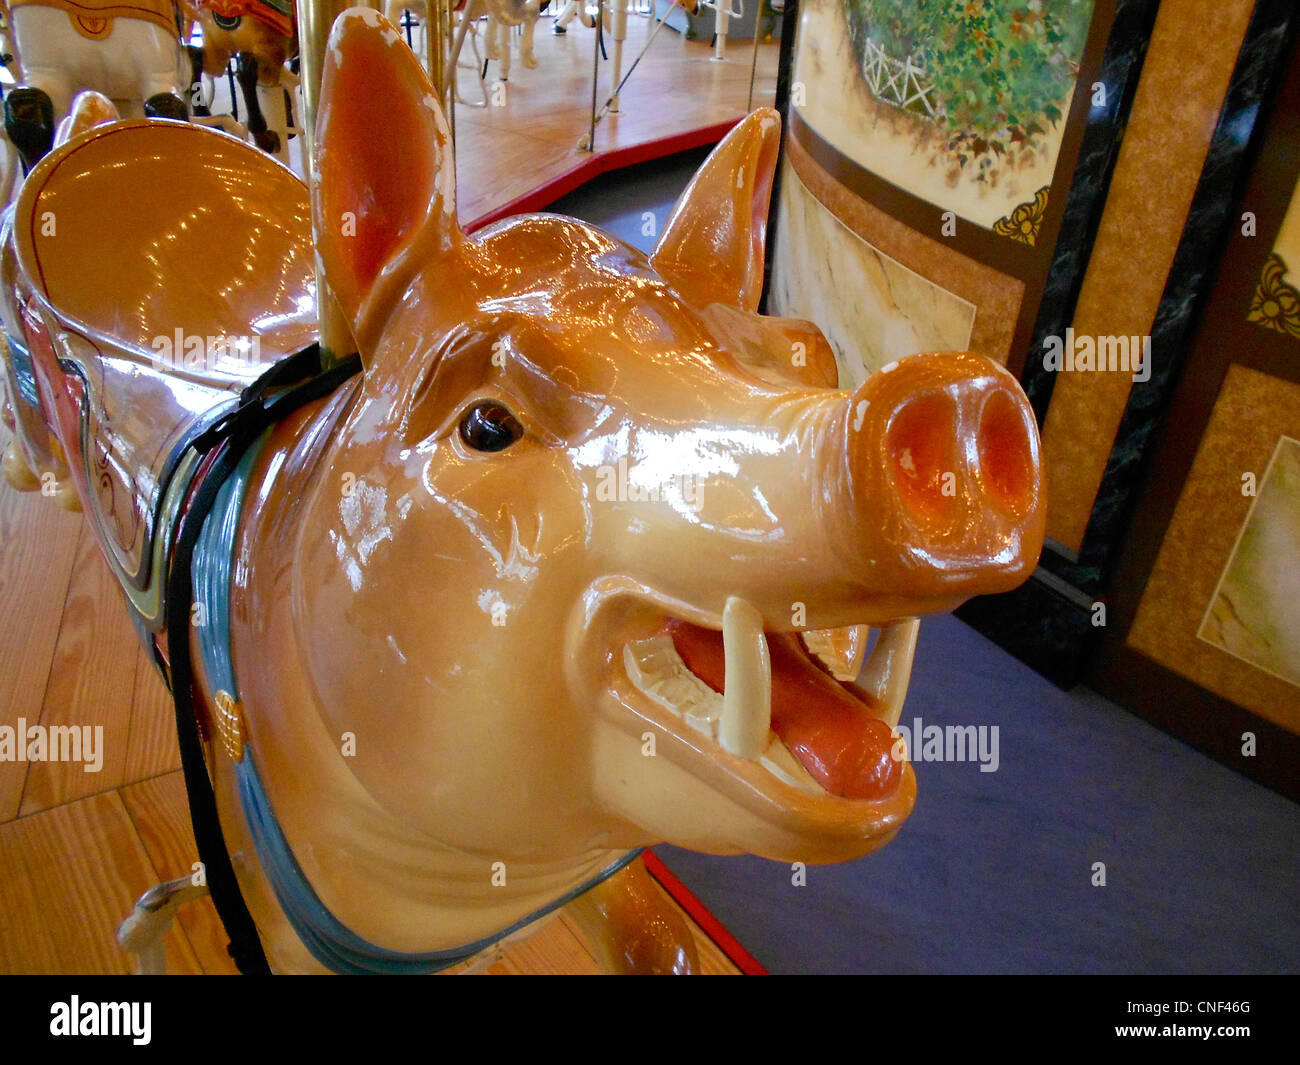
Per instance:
x=129, y=52
x=583, y=557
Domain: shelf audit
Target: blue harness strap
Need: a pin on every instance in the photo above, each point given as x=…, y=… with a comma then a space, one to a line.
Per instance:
x=331, y=942
x=230, y=436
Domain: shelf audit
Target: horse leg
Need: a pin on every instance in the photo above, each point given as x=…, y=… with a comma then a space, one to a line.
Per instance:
x=461, y=30
x=166, y=105
x=198, y=105
x=565, y=16
x=619, y=28
x=33, y=460
x=632, y=928
x=246, y=75
x=29, y=123
x=504, y=45
x=272, y=50
x=526, y=47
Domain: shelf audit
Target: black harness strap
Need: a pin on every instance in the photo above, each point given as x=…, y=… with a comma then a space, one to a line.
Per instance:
x=236, y=431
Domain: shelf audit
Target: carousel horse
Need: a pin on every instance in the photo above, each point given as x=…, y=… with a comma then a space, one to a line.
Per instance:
x=129, y=52
x=502, y=16
x=614, y=22
x=573, y=557
x=262, y=36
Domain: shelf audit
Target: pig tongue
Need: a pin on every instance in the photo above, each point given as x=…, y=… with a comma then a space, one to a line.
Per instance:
x=831, y=734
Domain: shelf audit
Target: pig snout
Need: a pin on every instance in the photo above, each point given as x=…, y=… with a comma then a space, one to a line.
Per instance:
x=943, y=470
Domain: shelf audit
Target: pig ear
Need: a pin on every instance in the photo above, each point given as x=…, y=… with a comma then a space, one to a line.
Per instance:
x=711, y=250
x=384, y=202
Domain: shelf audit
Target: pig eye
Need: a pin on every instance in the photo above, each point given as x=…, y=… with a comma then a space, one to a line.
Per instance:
x=488, y=426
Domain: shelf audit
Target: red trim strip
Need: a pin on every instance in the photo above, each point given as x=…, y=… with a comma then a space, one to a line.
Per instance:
x=595, y=165
x=699, y=913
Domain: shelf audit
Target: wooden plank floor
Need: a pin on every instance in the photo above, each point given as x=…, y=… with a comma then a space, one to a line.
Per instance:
x=77, y=848
x=676, y=88
x=504, y=152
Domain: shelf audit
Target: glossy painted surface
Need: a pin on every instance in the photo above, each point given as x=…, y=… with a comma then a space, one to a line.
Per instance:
x=444, y=639
x=464, y=615
x=217, y=287
x=632, y=929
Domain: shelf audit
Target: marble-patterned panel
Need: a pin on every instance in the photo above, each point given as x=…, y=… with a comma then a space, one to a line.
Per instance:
x=872, y=309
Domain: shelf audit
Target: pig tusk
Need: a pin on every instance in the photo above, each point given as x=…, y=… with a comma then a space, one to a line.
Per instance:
x=889, y=669
x=747, y=694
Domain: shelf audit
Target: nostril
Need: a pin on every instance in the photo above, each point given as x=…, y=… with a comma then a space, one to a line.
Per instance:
x=922, y=452
x=1006, y=453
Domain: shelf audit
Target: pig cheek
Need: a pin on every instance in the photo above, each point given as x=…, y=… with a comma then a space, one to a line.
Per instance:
x=412, y=689
x=520, y=507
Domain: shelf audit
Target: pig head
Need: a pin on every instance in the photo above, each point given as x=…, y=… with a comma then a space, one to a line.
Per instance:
x=585, y=554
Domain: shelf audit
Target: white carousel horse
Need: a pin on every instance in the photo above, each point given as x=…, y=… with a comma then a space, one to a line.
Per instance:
x=503, y=16
x=129, y=52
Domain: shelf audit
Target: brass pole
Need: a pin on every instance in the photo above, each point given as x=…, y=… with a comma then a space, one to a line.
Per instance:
x=437, y=33
x=753, y=59
x=315, y=19
x=595, y=73
x=442, y=71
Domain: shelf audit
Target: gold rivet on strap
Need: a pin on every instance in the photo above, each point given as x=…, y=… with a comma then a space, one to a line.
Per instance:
x=230, y=725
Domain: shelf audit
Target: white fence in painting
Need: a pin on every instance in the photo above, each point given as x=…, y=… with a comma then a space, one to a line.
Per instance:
x=900, y=82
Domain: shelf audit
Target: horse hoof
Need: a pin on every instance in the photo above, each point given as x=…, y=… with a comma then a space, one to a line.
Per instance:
x=166, y=105
x=558, y=30
x=268, y=140
x=20, y=476
x=530, y=62
x=29, y=122
x=66, y=496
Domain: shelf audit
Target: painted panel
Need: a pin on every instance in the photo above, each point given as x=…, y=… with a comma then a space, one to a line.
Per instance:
x=962, y=105
x=872, y=309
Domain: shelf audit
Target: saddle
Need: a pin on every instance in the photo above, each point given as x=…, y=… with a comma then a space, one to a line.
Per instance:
x=169, y=266
x=94, y=18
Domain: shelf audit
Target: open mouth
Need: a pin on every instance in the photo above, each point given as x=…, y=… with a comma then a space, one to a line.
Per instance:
x=786, y=700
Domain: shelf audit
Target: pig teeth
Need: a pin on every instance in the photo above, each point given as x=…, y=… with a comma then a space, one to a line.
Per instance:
x=889, y=669
x=747, y=691
x=842, y=651
x=658, y=671
x=778, y=761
